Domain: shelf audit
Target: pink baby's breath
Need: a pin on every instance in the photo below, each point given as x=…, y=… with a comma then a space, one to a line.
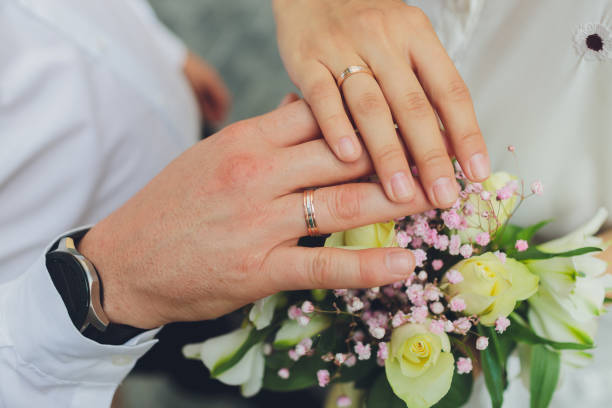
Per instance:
x=377, y=332
x=483, y=238
x=419, y=313
x=422, y=276
x=403, y=239
x=455, y=245
x=464, y=365
x=466, y=250
x=343, y=401
x=437, y=264
x=383, y=351
x=537, y=188
x=294, y=312
x=303, y=320
x=323, y=378
x=442, y=242
x=485, y=195
x=437, y=308
x=436, y=326
x=350, y=361
x=420, y=256
x=283, y=373
x=457, y=304
x=451, y=219
x=454, y=276
x=482, y=343
x=307, y=307
x=449, y=327
x=462, y=325
x=521, y=245
x=501, y=324
x=363, y=351
x=501, y=256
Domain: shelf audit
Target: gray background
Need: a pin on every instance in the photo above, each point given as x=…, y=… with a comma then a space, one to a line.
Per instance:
x=238, y=38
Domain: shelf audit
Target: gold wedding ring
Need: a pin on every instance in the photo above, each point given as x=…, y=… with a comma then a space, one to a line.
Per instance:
x=309, y=213
x=352, y=70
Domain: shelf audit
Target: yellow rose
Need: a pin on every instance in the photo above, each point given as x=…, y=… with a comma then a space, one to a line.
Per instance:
x=502, y=209
x=420, y=365
x=370, y=236
x=490, y=287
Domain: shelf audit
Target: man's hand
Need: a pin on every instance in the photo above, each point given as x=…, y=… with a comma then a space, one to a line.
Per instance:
x=218, y=228
x=210, y=90
x=414, y=83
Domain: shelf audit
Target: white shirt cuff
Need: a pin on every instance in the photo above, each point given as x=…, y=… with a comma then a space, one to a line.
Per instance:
x=43, y=335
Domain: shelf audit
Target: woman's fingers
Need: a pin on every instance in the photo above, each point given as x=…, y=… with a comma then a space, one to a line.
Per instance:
x=371, y=113
x=342, y=207
x=322, y=94
x=419, y=127
x=295, y=268
x=451, y=99
x=288, y=125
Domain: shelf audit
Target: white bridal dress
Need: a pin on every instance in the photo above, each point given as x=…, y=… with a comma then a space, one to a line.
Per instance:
x=540, y=74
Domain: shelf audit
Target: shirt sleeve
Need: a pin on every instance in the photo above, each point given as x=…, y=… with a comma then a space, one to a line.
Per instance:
x=170, y=45
x=50, y=167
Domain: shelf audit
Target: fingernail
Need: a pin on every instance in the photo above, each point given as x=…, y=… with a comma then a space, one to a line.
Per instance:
x=445, y=192
x=346, y=148
x=479, y=166
x=401, y=186
x=399, y=263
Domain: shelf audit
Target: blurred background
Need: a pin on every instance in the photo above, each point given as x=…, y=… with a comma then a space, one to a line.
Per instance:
x=238, y=38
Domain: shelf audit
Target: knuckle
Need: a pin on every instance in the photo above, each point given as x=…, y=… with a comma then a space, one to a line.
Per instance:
x=319, y=90
x=416, y=104
x=319, y=269
x=434, y=158
x=391, y=154
x=344, y=204
x=470, y=138
x=457, y=91
x=370, y=103
x=371, y=18
x=236, y=171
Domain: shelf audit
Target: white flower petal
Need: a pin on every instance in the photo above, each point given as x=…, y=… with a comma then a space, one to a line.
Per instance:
x=262, y=312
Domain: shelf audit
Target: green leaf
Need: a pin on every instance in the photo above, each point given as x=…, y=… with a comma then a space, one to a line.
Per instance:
x=361, y=370
x=381, y=395
x=255, y=336
x=459, y=393
x=524, y=334
x=506, y=237
x=529, y=232
x=545, y=365
x=493, y=371
x=302, y=374
x=535, y=253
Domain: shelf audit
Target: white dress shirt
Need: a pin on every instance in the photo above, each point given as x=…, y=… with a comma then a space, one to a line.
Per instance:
x=93, y=104
x=536, y=85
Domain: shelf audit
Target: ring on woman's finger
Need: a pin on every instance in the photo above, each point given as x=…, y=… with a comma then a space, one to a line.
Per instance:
x=352, y=70
x=309, y=213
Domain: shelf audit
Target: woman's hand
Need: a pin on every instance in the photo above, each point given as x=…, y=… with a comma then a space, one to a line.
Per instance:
x=414, y=79
x=210, y=90
x=218, y=228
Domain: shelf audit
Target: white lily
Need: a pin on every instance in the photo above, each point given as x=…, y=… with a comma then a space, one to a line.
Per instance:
x=262, y=312
x=248, y=372
x=572, y=291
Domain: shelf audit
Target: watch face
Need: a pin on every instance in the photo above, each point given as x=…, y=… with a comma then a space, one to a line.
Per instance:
x=70, y=281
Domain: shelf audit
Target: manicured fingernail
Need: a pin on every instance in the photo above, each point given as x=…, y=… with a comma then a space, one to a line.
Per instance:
x=346, y=148
x=399, y=263
x=401, y=186
x=445, y=192
x=479, y=166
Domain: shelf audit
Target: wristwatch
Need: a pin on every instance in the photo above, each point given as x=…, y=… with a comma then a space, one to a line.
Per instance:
x=80, y=287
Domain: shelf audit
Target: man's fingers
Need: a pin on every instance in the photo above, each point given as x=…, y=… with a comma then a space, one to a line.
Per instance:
x=295, y=268
x=288, y=125
x=313, y=164
x=322, y=94
x=345, y=206
x=451, y=99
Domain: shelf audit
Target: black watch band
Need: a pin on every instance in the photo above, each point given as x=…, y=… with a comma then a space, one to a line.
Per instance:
x=67, y=270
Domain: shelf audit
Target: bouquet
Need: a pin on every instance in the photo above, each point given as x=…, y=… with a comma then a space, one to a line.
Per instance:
x=481, y=290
